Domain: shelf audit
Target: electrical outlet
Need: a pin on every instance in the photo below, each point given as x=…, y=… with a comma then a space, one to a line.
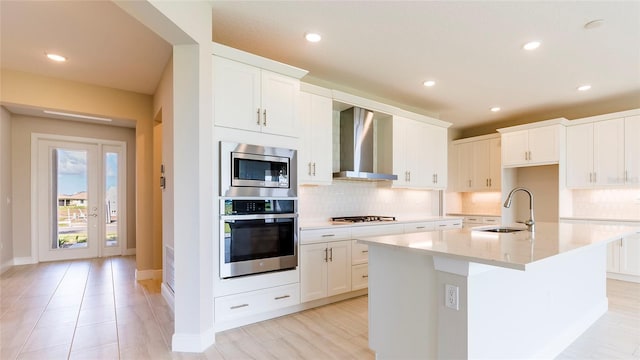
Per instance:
x=451, y=297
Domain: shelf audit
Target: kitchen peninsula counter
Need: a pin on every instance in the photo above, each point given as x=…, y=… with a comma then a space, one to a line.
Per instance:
x=509, y=295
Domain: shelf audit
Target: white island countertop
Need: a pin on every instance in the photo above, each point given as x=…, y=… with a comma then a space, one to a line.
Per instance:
x=516, y=250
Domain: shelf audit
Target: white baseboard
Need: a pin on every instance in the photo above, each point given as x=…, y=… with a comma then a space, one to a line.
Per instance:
x=195, y=343
x=168, y=296
x=128, y=252
x=148, y=274
x=623, y=277
x=24, y=260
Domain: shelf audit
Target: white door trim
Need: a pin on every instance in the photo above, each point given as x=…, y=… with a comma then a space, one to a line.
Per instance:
x=122, y=196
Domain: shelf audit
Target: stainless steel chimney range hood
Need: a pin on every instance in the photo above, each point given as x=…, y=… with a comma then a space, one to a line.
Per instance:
x=356, y=147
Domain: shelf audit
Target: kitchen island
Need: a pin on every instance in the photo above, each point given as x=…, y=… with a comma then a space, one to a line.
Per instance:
x=467, y=293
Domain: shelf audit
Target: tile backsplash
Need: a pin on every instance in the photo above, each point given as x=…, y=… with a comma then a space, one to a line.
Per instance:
x=607, y=204
x=352, y=198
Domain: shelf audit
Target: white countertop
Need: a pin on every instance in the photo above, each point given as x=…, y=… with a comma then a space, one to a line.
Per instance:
x=308, y=225
x=510, y=250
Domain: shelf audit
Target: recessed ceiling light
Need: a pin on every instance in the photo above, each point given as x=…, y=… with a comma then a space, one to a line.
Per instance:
x=56, y=57
x=584, y=87
x=593, y=24
x=429, y=83
x=531, y=45
x=495, y=109
x=312, y=37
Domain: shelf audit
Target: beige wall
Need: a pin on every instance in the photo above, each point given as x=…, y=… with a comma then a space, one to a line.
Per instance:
x=24, y=89
x=6, y=242
x=22, y=128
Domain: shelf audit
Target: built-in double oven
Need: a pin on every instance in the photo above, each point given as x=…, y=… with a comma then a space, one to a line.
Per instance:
x=258, y=209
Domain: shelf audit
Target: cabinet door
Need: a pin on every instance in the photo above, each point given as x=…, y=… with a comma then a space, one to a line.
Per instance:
x=279, y=104
x=339, y=268
x=400, y=162
x=608, y=154
x=481, y=164
x=579, y=155
x=515, y=147
x=236, y=94
x=630, y=255
x=313, y=271
x=465, y=166
x=305, y=148
x=436, y=155
x=359, y=277
x=495, y=165
x=321, y=139
x=632, y=150
x=543, y=145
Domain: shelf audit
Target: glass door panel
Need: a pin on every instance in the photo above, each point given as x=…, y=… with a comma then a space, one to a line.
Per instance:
x=111, y=199
x=70, y=180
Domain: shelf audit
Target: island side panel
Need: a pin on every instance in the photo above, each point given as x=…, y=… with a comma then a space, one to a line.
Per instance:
x=538, y=312
x=402, y=304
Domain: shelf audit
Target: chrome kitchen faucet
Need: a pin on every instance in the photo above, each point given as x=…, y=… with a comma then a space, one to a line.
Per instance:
x=530, y=223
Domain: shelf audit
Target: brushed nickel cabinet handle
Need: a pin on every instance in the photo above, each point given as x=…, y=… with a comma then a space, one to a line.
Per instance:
x=325, y=255
x=365, y=251
x=258, y=122
x=281, y=297
x=365, y=276
x=309, y=172
x=327, y=235
x=330, y=254
x=264, y=117
x=238, y=306
x=314, y=169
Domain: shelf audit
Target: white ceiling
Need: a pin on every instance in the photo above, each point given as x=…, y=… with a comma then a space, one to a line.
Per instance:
x=384, y=49
x=104, y=45
x=472, y=49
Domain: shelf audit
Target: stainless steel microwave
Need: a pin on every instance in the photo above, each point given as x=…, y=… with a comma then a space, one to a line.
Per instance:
x=252, y=170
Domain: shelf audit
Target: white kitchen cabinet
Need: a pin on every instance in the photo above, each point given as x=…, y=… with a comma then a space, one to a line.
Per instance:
x=419, y=154
x=325, y=269
x=237, y=306
x=623, y=258
x=448, y=224
x=249, y=98
x=596, y=154
x=315, y=152
x=422, y=226
x=535, y=146
x=479, y=165
x=360, y=277
x=632, y=150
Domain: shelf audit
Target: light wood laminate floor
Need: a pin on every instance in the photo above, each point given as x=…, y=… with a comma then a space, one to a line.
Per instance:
x=94, y=309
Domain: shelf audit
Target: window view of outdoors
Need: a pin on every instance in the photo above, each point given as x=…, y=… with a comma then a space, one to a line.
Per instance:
x=73, y=212
x=71, y=176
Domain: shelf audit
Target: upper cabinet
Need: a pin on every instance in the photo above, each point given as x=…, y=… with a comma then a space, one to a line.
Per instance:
x=604, y=153
x=250, y=98
x=478, y=164
x=419, y=154
x=537, y=145
x=315, y=151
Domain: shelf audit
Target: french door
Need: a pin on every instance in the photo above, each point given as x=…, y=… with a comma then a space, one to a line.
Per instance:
x=79, y=198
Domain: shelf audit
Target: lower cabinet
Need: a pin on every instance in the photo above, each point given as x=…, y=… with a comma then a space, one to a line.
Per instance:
x=623, y=257
x=237, y=306
x=359, y=276
x=325, y=269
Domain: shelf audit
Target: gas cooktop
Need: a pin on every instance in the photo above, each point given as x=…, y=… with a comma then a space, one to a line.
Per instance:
x=359, y=219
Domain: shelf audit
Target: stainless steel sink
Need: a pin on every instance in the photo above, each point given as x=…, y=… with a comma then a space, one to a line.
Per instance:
x=501, y=229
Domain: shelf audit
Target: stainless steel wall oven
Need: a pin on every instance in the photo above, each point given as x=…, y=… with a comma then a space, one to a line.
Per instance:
x=257, y=235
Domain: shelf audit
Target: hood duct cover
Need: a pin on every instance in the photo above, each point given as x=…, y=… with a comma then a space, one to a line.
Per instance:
x=356, y=146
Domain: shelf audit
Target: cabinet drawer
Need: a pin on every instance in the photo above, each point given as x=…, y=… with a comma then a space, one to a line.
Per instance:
x=324, y=235
x=473, y=220
x=491, y=220
x=359, y=277
x=449, y=224
x=251, y=303
x=376, y=230
x=419, y=227
x=359, y=253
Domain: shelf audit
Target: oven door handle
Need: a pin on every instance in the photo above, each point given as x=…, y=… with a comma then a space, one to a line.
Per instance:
x=259, y=216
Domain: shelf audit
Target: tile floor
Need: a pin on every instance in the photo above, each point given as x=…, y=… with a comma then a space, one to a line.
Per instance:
x=94, y=309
